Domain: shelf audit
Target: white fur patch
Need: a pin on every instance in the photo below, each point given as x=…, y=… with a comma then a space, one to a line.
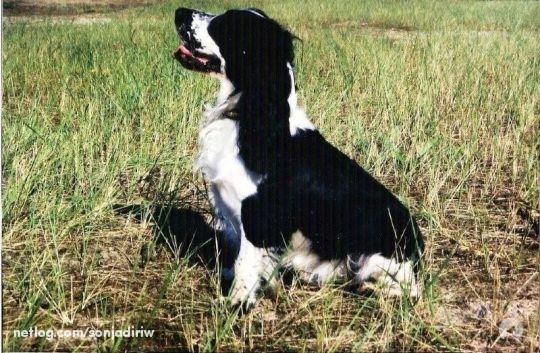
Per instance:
x=255, y=13
x=199, y=25
x=230, y=180
x=391, y=277
x=298, y=119
x=226, y=88
x=251, y=265
x=311, y=269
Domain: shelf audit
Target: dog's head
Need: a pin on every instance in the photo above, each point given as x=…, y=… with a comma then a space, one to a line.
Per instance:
x=246, y=46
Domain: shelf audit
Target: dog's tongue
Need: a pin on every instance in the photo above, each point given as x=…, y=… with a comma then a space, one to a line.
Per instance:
x=182, y=50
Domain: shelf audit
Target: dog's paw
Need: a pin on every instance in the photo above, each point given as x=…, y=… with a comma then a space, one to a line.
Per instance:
x=243, y=298
x=245, y=306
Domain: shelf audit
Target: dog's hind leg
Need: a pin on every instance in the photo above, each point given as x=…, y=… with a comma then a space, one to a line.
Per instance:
x=383, y=274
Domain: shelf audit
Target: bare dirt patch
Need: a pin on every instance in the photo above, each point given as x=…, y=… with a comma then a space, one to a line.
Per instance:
x=68, y=7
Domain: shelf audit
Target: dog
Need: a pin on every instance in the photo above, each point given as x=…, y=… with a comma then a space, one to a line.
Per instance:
x=284, y=197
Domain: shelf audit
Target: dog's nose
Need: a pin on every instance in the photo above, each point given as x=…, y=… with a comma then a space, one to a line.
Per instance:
x=183, y=16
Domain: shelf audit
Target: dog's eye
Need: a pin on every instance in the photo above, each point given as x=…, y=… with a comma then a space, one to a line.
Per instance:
x=243, y=52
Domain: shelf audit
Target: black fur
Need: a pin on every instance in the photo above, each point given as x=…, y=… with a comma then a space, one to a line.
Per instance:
x=308, y=184
x=256, y=51
x=334, y=202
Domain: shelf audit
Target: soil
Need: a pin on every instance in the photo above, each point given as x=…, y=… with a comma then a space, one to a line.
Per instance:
x=67, y=7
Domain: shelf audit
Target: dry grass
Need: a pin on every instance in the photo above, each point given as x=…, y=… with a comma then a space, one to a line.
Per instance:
x=440, y=101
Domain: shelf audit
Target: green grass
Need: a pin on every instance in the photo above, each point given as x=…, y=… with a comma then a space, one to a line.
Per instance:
x=440, y=100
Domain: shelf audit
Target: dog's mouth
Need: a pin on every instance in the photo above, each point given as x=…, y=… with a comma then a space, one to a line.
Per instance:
x=193, y=59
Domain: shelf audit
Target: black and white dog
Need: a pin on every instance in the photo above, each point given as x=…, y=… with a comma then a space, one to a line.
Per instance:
x=285, y=198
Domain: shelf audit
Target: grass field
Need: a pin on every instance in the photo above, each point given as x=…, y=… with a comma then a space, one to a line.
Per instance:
x=440, y=100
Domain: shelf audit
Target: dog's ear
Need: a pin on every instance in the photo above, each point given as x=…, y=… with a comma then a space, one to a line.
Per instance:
x=264, y=132
x=288, y=45
x=279, y=46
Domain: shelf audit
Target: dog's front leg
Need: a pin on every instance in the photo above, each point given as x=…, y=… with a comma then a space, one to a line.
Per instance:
x=241, y=262
x=247, y=271
x=253, y=266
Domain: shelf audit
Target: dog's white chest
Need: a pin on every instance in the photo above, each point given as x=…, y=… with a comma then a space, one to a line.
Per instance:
x=218, y=147
x=222, y=166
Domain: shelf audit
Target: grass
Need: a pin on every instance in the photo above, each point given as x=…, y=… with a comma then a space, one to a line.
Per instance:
x=440, y=100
